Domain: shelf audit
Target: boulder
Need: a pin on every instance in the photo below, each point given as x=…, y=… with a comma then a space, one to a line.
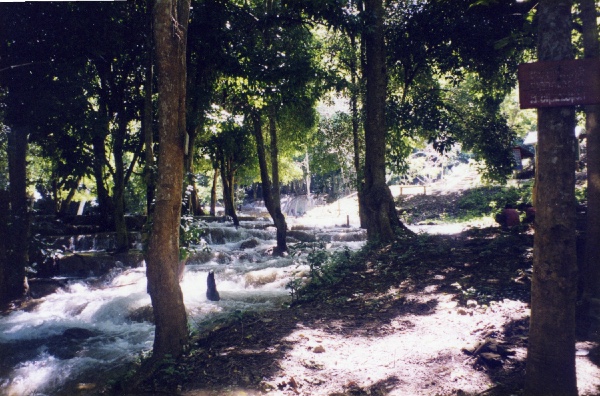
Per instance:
x=249, y=244
x=142, y=314
x=211, y=291
x=301, y=236
x=78, y=333
x=97, y=263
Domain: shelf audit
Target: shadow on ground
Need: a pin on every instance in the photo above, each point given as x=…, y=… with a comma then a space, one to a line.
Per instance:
x=479, y=265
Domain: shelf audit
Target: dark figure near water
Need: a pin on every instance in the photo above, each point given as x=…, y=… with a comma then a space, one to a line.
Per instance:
x=211, y=292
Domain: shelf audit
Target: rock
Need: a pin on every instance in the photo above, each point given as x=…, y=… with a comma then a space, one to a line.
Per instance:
x=472, y=304
x=200, y=256
x=69, y=344
x=211, y=291
x=508, y=218
x=319, y=349
x=222, y=258
x=529, y=215
x=41, y=287
x=96, y=263
x=301, y=236
x=142, y=314
x=78, y=333
x=260, y=278
x=582, y=352
x=488, y=352
x=249, y=244
x=491, y=359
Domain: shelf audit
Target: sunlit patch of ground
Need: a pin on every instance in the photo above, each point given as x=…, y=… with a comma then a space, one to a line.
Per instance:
x=412, y=355
x=421, y=350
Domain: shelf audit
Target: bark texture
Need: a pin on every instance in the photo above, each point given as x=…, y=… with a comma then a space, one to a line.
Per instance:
x=122, y=239
x=278, y=217
x=213, y=193
x=551, y=352
x=379, y=209
x=147, y=123
x=194, y=206
x=98, y=167
x=591, y=270
x=18, y=237
x=272, y=205
x=354, y=109
x=170, y=33
x=227, y=180
x=4, y=206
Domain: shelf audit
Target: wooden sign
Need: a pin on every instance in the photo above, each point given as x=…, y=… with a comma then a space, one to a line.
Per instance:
x=559, y=83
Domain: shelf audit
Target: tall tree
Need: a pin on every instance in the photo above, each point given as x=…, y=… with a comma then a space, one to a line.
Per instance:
x=551, y=351
x=5, y=294
x=591, y=269
x=19, y=76
x=382, y=219
x=4, y=209
x=274, y=208
x=148, y=119
x=230, y=149
x=116, y=67
x=19, y=223
x=170, y=36
x=275, y=211
x=355, y=91
x=274, y=67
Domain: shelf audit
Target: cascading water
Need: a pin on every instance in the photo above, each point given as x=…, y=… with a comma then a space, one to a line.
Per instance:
x=91, y=329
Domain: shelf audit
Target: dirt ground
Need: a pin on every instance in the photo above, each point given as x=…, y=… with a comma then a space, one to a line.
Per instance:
x=427, y=315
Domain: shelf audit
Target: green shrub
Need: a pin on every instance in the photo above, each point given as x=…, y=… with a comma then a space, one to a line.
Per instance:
x=581, y=193
x=484, y=201
x=326, y=269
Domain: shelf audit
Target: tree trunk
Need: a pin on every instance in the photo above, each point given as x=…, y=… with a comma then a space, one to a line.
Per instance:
x=308, y=178
x=64, y=205
x=266, y=186
x=56, y=203
x=354, y=95
x=551, y=352
x=278, y=217
x=213, y=193
x=4, y=234
x=18, y=255
x=147, y=123
x=122, y=240
x=227, y=181
x=98, y=165
x=380, y=212
x=193, y=202
x=591, y=268
x=170, y=35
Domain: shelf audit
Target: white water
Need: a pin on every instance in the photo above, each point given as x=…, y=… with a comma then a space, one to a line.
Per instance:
x=37, y=357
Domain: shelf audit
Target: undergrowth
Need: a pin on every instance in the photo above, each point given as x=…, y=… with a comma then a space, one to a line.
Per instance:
x=468, y=205
x=482, y=265
x=326, y=269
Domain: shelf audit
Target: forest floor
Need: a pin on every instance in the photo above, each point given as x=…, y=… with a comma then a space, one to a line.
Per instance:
x=425, y=315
